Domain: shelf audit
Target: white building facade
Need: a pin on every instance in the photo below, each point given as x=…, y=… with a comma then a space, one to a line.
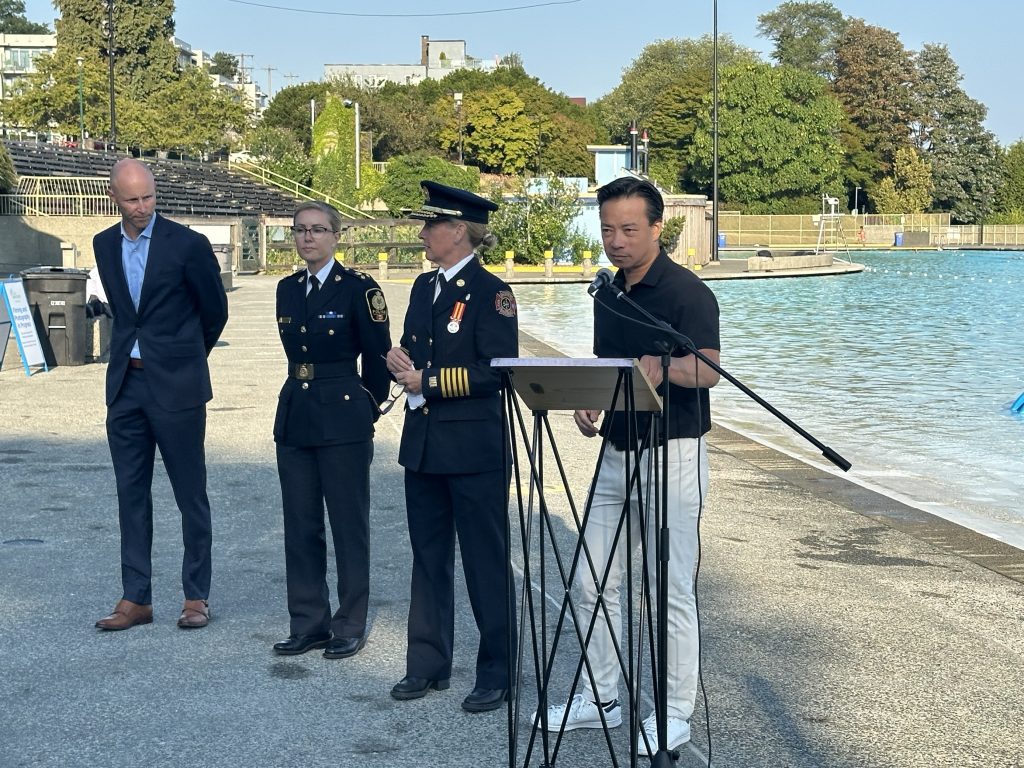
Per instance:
x=437, y=59
x=18, y=54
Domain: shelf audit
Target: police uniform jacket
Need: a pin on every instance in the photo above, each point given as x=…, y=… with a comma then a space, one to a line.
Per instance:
x=452, y=340
x=325, y=400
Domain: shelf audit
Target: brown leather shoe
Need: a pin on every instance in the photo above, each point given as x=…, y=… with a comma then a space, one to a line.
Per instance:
x=194, y=615
x=125, y=615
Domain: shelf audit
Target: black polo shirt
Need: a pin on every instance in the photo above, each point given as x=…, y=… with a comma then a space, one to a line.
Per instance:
x=680, y=298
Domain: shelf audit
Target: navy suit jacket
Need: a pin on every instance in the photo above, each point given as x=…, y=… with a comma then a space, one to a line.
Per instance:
x=459, y=429
x=182, y=311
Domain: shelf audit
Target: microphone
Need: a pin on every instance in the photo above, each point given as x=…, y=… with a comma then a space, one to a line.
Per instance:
x=603, y=280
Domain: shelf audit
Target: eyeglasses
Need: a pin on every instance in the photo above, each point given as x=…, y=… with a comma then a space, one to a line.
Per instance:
x=396, y=392
x=316, y=232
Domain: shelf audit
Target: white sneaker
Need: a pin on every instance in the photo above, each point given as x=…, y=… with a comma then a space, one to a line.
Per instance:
x=583, y=713
x=677, y=733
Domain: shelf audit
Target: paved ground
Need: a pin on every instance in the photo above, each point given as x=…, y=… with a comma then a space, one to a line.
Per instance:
x=839, y=629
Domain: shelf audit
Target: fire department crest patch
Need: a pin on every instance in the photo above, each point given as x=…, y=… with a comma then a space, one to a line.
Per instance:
x=505, y=303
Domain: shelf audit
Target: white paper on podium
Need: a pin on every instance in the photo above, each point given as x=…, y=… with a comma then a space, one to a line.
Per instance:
x=568, y=383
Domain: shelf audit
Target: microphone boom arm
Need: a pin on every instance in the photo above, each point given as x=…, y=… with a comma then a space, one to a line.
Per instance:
x=685, y=343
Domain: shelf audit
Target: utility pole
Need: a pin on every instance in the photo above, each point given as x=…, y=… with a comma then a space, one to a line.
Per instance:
x=241, y=66
x=110, y=71
x=270, y=83
x=81, y=102
x=289, y=77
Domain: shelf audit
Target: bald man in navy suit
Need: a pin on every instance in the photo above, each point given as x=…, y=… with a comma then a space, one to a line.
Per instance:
x=164, y=288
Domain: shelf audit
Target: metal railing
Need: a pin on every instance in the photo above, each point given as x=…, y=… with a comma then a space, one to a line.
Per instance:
x=746, y=231
x=20, y=204
x=300, y=190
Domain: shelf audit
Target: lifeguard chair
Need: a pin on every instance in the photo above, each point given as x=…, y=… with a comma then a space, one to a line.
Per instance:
x=831, y=237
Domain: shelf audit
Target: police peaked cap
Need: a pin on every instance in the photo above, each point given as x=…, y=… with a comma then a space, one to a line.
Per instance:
x=452, y=203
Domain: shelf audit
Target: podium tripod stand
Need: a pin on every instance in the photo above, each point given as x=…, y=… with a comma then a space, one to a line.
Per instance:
x=561, y=384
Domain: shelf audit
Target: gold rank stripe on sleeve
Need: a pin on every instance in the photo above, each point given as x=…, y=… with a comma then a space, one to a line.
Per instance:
x=454, y=382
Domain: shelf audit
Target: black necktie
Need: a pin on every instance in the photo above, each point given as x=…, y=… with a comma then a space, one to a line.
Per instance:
x=314, y=285
x=442, y=281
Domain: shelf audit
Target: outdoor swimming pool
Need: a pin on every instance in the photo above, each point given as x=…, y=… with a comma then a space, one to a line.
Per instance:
x=907, y=369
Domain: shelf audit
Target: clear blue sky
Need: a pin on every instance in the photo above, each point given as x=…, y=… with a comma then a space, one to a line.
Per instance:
x=580, y=47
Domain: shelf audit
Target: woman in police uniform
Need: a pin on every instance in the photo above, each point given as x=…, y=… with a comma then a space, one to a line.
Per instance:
x=459, y=318
x=328, y=316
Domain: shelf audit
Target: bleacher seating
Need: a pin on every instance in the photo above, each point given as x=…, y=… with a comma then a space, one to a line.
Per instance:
x=183, y=187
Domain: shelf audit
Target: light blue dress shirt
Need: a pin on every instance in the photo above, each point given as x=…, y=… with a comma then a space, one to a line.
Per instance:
x=134, y=257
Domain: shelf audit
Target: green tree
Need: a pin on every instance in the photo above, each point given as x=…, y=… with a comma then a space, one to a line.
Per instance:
x=403, y=119
x=290, y=109
x=513, y=61
x=538, y=216
x=145, y=59
x=401, y=188
x=13, y=21
x=804, y=34
x=964, y=156
x=778, y=145
x=560, y=130
x=8, y=176
x=399, y=119
x=1011, y=191
x=659, y=66
x=188, y=114
x=48, y=98
x=886, y=197
x=563, y=149
x=224, y=64
x=498, y=135
x=861, y=166
x=334, y=153
x=874, y=81
x=672, y=126
x=279, y=150
x=909, y=189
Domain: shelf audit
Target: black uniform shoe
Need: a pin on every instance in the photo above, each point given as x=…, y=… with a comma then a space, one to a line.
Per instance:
x=484, y=699
x=343, y=647
x=297, y=644
x=416, y=687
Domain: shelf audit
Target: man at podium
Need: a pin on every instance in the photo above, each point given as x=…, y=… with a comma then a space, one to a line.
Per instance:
x=631, y=213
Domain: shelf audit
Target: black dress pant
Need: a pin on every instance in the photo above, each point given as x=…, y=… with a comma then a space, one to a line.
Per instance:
x=340, y=476
x=136, y=427
x=439, y=507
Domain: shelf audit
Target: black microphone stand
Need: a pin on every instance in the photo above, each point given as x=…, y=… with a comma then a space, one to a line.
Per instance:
x=663, y=758
x=685, y=343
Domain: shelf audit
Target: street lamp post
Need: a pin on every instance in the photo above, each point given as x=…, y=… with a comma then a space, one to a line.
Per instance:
x=81, y=102
x=856, y=196
x=110, y=71
x=458, y=113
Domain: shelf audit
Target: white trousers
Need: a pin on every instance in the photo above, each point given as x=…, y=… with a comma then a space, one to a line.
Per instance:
x=686, y=486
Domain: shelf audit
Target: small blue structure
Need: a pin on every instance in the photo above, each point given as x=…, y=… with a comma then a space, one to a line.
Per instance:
x=1018, y=404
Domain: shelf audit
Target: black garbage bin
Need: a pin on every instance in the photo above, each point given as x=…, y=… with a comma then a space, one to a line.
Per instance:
x=56, y=296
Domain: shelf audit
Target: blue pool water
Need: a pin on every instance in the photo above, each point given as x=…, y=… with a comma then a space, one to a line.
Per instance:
x=907, y=369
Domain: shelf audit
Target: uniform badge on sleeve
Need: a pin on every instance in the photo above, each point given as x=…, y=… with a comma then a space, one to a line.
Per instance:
x=377, y=305
x=505, y=303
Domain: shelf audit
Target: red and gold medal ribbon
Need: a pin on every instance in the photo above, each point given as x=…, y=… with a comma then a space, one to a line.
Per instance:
x=458, y=311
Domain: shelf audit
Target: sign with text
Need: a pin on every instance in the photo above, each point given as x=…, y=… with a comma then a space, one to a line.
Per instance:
x=18, y=314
